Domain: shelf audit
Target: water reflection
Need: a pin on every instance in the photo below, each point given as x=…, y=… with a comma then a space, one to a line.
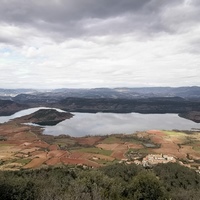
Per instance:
x=108, y=123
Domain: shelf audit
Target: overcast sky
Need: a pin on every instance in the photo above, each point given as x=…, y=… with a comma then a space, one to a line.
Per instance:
x=99, y=43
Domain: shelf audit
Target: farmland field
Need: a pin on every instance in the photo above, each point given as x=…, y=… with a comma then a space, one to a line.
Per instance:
x=24, y=146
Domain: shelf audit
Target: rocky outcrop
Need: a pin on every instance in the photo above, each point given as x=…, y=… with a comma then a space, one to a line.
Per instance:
x=45, y=117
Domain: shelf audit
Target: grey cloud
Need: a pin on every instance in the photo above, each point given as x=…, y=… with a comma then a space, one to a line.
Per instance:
x=61, y=19
x=9, y=41
x=193, y=45
x=21, y=10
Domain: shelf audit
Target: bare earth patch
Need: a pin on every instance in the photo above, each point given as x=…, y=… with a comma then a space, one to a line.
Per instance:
x=35, y=163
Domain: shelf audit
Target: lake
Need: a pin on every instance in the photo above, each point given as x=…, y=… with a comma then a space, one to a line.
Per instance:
x=109, y=123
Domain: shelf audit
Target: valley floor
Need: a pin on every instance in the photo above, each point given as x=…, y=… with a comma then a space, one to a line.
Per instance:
x=25, y=147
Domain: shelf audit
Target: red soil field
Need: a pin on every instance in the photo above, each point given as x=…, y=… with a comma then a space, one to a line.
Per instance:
x=35, y=163
x=156, y=132
x=119, y=154
x=53, y=147
x=108, y=146
x=53, y=161
x=57, y=153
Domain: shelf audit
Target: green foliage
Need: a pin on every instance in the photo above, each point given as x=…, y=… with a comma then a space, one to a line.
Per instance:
x=122, y=171
x=111, y=139
x=146, y=186
x=94, y=185
x=37, y=184
x=113, y=182
x=131, y=138
x=177, y=176
x=95, y=150
x=181, y=182
x=23, y=161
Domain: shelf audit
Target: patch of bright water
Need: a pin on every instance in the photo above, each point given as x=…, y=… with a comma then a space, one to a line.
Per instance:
x=109, y=123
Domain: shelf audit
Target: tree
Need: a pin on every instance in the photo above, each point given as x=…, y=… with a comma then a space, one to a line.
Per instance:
x=146, y=186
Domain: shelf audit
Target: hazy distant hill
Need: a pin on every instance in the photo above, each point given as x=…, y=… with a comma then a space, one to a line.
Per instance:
x=144, y=100
x=145, y=105
x=14, y=92
x=111, y=93
x=8, y=107
x=129, y=93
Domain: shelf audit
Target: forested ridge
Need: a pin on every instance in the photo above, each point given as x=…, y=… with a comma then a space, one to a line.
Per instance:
x=113, y=182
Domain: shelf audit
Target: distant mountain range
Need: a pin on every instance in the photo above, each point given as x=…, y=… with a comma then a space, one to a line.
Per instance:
x=13, y=92
x=113, y=93
x=123, y=100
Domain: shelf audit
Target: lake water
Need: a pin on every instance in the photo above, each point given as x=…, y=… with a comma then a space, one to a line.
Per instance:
x=109, y=123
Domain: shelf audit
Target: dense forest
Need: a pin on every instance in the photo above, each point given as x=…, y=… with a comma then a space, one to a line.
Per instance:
x=114, y=182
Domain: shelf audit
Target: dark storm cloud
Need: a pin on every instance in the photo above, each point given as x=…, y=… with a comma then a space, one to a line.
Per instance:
x=74, y=18
x=62, y=11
